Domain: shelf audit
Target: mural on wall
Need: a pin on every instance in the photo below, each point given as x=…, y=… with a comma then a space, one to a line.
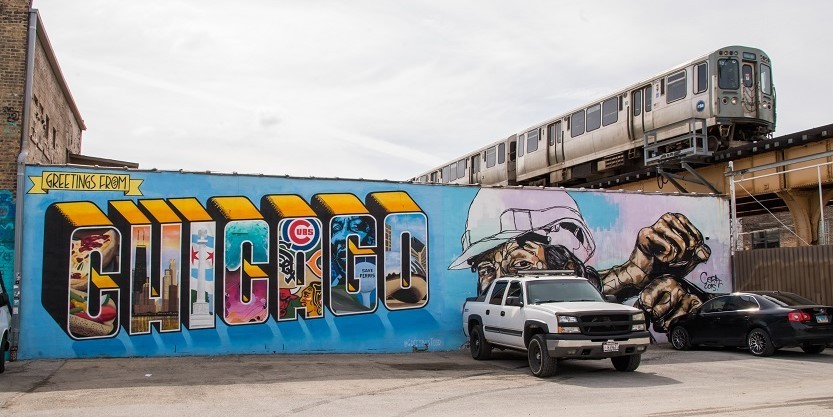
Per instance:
x=7, y=210
x=123, y=263
x=514, y=230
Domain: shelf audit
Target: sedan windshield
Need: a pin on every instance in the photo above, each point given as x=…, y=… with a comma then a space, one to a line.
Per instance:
x=551, y=291
x=788, y=299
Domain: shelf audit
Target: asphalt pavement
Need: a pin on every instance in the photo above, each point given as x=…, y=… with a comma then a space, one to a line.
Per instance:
x=726, y=382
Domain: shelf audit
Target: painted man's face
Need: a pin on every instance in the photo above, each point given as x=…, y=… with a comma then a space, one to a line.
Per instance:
x=342, y=227
x=508, y=259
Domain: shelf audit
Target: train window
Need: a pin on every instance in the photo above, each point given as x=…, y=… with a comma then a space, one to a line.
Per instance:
x=649, y=91
x=490, y=157
x=512, y=150
x=475, y=164
x=558, y=133
x=636, y=102
x=461, y=168
x=676, y=87
x=447, y=173
x=434, y=177
x=702, y=78
x=610, y=111
x=501, y=153
x=747, y=75
x=532, y=141
x=766, y=79
x=577, y=124
x=594, y=117
x=551, y=134
x=727, y=74
x=521, y=144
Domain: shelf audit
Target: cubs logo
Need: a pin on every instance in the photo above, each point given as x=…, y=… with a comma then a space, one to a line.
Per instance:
x=303, y=234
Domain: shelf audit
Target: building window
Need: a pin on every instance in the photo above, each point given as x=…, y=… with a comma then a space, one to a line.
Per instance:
x=766, y=239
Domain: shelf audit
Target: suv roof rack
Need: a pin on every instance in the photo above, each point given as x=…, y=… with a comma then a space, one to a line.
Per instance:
x=561, y=272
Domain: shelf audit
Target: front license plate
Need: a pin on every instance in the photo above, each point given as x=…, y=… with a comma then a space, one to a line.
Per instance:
x=822, y=318
x=610, y=346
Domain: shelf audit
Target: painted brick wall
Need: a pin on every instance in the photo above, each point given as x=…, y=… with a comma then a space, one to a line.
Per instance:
x=14, y=15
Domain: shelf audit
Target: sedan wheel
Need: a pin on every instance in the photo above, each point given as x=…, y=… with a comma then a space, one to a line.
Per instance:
x=759, y=343
x=680, y=339
x=808, y=348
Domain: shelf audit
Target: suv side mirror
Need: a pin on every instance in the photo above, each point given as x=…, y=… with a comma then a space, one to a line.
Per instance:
x=4, y=299
x=610, y=298
x=514, y=301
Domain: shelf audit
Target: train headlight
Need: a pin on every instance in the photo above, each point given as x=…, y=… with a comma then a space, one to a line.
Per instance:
x=734, y=100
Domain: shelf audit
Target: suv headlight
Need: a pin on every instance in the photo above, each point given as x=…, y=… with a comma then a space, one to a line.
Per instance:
x=638, y=317
x=567, y=324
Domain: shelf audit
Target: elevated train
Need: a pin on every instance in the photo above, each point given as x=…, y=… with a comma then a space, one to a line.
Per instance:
x=710, y=103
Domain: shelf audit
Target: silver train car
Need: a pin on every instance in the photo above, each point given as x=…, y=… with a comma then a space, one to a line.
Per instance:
x=710, y=103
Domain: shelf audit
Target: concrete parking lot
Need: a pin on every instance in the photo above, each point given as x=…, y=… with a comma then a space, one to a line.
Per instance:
x=726, y=382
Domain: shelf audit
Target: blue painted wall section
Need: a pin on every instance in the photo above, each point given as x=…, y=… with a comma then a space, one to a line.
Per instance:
x=7, y=211
x=148, y=263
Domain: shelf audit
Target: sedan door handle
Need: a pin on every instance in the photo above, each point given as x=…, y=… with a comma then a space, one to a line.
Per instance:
x=502, y=313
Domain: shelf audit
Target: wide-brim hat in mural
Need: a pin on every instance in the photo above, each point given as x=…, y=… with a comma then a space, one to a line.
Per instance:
x=498, y=216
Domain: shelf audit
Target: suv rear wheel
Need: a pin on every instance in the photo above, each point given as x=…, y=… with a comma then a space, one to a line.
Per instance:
x=480, y=348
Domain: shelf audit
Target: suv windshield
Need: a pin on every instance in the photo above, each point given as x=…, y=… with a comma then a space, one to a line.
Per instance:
x=552, y=291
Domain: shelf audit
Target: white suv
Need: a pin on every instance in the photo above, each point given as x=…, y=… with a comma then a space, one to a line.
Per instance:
x=5, y=324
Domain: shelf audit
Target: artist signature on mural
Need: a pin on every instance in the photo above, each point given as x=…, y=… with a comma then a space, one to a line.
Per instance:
x=710, y=282
x=423, y=344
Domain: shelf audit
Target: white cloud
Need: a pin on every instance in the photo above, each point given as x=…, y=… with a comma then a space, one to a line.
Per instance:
x=387, y=89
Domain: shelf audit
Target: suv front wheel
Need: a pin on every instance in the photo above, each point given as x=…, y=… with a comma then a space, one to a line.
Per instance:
x=540, y=362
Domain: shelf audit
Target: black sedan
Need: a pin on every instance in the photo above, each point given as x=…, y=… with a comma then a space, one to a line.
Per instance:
x=763, y=321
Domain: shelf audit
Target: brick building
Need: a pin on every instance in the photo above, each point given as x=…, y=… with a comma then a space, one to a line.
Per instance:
x=54, y=124
x=39, y=116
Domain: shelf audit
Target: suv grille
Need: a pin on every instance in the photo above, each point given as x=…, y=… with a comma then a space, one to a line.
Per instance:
x=605, y=324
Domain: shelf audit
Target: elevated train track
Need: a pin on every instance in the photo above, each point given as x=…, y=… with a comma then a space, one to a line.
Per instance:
x=805, y=149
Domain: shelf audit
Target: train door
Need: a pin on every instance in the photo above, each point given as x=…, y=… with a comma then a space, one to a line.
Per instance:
x=510, y=161
x=641, y=114
x=474, y=172
x=555, y=143
x=750, y=97
x=520, y=163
